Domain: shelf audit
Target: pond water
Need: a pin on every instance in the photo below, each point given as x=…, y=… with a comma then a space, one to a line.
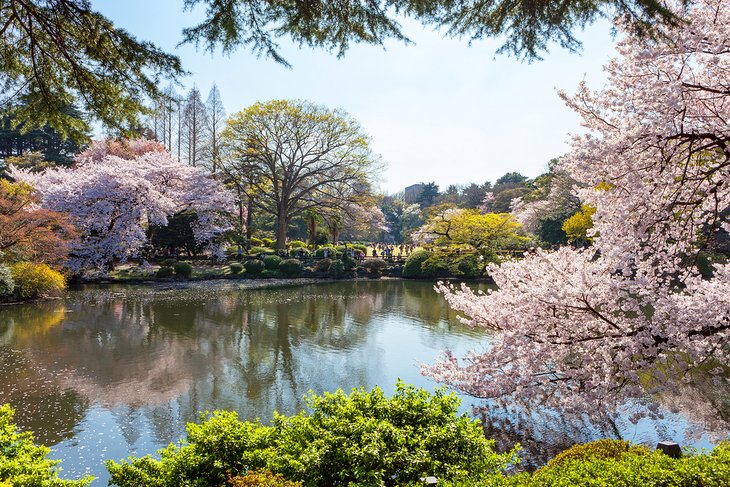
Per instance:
x=114, y=371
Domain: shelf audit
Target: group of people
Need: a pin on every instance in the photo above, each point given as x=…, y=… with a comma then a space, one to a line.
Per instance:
x=389, y=251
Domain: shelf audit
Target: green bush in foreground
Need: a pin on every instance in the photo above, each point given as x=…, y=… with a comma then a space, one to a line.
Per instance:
x=363, y=438
x=613, y=463
x=24, y=464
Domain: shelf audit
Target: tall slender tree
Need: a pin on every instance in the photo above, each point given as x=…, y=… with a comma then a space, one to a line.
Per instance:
x=216, y=120
x=194, y=127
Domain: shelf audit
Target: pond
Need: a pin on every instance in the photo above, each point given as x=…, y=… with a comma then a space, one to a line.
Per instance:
x=114, y=371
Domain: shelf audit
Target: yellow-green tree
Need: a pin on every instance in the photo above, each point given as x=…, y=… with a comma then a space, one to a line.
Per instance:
x=576, y=227
x=483, y=231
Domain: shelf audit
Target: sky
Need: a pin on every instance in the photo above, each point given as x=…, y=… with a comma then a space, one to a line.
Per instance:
x=437, y=110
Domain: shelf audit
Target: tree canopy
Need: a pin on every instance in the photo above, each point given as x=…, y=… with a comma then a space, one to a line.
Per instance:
x=292, y=156
x=54, y=53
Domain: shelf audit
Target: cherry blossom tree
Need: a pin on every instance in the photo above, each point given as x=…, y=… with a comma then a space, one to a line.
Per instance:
x=590, y=330
x=112, y=200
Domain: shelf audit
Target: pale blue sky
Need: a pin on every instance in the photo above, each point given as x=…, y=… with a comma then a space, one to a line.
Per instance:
x=438, y=110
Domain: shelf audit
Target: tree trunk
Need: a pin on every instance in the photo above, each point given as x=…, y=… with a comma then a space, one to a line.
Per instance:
x=282, y=225
x=249, y=218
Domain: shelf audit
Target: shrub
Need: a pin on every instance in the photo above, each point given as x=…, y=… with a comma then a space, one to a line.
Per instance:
x=412, y=267
x=235, y=267
x=437, y=265
x=165, y=272
x=272, y=262
x=467, y=265
x=362, y=248
x=255, y=242
x=183, y=269
x=24, y=463
x=271, y=273
x=332, y=251
x=168, y=263
x=363, y=438
x=268, y=242
x=323, y=265
x=7, y=285
x=261, y=478
x=296, y=243
x=613, y=463
x=374, y=266
x=295, y=251
x=35, y=280
x=348, y=262
x=254, y=266
x=291, y=267
x=260, y=250
x=337, y=268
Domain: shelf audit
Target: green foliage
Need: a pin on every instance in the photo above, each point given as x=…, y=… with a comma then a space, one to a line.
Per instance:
x=333, y=253
x=323, y=265
x=296, y=251
x=291, y=267
x=271, y=273
x=177, y=234
x=467, y=265
x=22, y=463
x=412, y=267
x=183, y=269
x=348, y=262
x=63, y=52
x=235, y=267
x=261, y=250
x=7, y=285
x=337, y=268
x=256, y=242
x=437, y=265
x=168, y=263
x=374, y=266
x=297, y=243
x=262, y=478
x=321, y=237
x=272, y=262
x=363, y=438
x=35, y=280
x=268, y=242
x=165, y=272
x=610, y=463
x=254, y=266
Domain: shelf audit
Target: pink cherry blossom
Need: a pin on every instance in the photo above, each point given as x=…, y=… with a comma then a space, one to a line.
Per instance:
x=587, y=330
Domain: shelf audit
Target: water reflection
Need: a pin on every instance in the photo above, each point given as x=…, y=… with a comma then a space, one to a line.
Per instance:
x=109, y=372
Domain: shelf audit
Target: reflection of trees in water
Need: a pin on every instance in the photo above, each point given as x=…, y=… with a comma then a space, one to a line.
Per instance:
x=699, y=409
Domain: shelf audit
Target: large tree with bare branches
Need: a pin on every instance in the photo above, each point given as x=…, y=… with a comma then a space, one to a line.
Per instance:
x=294, y=156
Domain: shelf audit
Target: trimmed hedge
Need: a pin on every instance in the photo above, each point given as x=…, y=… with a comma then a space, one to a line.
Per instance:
x=412, y=267
x=323, y=265
x=254, y=266
x=235, y=267
x=165, y=272
x=291, y=267
x=183, y=269
x=272, y=262
x=337, y=268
